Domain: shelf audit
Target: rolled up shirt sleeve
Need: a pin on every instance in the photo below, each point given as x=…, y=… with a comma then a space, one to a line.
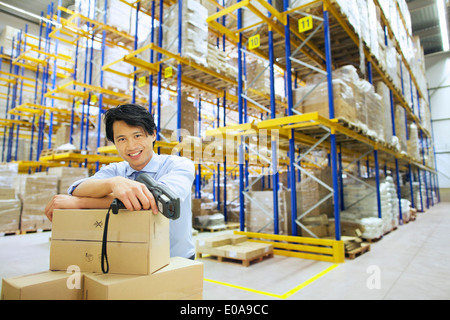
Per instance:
x=180, y=177
x=109, y=171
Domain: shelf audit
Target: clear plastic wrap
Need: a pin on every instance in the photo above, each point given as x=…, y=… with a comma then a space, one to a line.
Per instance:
x=400, y=127
x=194, y=33
x=383, y=90
x=67, y=176
x=413, y=142
x=8, y=172
x=10, y=215
x=317, y=100
x=35, y=191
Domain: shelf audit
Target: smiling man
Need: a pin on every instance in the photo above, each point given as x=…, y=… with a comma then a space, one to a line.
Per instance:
x=132, y=129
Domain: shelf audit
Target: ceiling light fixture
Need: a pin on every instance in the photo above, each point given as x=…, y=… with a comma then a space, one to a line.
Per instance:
x=443, y=23
x=30, y=14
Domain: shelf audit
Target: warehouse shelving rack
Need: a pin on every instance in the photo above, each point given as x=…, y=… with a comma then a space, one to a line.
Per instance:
x=335, y=129
x=276, y=29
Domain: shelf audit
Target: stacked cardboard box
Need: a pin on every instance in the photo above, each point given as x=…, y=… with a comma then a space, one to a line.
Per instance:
x=194, y=31
x=217, y=61
x=355, y=101
x=10, y=207
x=310, y=192
x=413, y=142
x=259, y=212
x=189, y=117
x=258, y=76
x=316, y=226
x=181, y=279
x=366, y=19
x=400, y=128
x=138, y=254
x=138, y=242
x=35, y=191
x=48, y=285
x=317, y=100
x=67, y=176
x=384, y=92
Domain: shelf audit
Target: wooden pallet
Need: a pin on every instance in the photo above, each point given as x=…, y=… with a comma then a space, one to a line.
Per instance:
x=245, y=262
x=47, y=152
x=357, y=252
x=9, y=233
x=226, y=226
x=231, y=247
x=373, y=240
x=33, y=231
x=66, y=151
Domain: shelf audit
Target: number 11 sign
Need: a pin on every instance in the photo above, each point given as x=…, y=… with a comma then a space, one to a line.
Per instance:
x=305, y=24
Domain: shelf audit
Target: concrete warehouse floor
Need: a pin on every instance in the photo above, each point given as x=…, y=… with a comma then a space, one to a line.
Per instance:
x=412, y=262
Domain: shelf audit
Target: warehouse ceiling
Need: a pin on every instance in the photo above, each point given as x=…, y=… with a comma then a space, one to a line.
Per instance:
x=32, y=6
x=425, y=23
x=424, y=17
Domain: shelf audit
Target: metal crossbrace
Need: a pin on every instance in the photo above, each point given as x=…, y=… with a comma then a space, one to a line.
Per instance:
x=307, y=39
x=255, y=102
x=308, y=66
x=311, y=176
x=357, y=159
x=265, y=211
x=374, y=189
x=258, y=154
x=253, y=81
x=314, y=146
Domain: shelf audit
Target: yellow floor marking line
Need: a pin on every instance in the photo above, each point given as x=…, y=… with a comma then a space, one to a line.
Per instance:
x=282, y=296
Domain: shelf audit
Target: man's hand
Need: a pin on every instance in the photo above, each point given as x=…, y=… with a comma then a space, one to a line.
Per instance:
x=134, y=195
x=61, y=201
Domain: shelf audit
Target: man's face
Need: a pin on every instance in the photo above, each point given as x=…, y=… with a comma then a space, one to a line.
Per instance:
x=133, y=144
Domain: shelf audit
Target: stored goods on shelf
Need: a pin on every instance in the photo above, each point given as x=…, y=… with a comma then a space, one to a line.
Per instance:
x=35, y=191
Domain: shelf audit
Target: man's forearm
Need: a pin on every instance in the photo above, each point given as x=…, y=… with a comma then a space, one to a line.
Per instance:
x=95, y=203
x=93, y=188
x=61, y=201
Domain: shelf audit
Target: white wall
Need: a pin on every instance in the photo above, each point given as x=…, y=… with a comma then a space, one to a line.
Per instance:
x=438, y=77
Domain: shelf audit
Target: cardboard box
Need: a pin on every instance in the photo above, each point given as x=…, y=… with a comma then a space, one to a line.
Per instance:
x=7, y=193
x=67, y=176
x=217, y=241
x=10, y=215
x=138, y=242
x=49, y=285
x=35, y=191
x=181, y=279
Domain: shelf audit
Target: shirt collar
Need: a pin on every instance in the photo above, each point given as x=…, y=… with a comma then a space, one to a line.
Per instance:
x=151, y=167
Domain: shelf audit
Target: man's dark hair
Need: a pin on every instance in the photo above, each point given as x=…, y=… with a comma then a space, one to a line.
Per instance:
x=133, y=115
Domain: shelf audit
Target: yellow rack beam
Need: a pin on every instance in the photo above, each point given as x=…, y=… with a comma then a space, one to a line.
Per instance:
x=313, y=119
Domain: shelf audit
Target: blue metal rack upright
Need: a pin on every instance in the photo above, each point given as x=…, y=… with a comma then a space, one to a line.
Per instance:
x=241, y=121
x=333, y=150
